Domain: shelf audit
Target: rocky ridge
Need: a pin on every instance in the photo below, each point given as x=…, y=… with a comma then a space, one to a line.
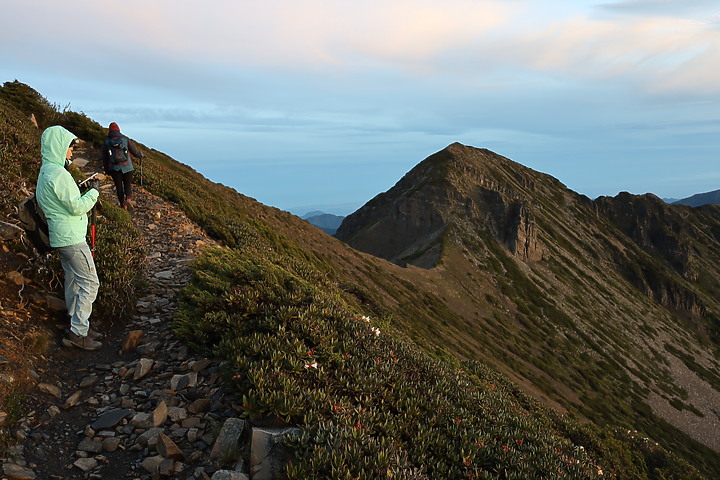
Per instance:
x=143, y=407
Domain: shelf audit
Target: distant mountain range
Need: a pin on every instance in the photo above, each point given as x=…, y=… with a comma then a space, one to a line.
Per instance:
x=700, y=199
x=326, y=222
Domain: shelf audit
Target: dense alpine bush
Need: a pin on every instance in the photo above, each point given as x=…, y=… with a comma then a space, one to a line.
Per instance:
x=370, y=404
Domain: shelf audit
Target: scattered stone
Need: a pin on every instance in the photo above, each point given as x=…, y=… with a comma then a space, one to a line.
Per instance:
x=149, y=438
x=141, y=420
x=229, y=475
x=50, y=389
x=110, y=444
x=228, y=437
x=15, y=277
x=132, y=340
x=268, y=456
x=111, y=419
x=18, y=472
x=72, y=400
x=179, y=382
x=143, y=367
x=168, y=449
x=89, y=445
x=88, y=381
x=201, y=365
x=167, y=467
x=86, y=464
x=166, y=275
x=152, y=464
x=159, y=415
x=200, y=405
x=177, y=414
x=9, y=232
x=55, y=304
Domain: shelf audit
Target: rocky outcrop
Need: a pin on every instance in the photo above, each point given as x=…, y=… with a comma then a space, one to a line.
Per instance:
x=667, y=234
x=459, y=186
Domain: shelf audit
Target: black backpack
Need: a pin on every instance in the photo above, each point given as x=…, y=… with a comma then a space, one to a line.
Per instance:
x=32, y=220
x=117, y=151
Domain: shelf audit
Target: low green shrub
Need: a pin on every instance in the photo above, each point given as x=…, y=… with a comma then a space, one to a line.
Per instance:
x=369, y=404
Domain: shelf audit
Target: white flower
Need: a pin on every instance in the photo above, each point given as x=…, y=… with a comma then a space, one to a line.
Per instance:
x=366, y=319
x=311, y=365
x=376, y=330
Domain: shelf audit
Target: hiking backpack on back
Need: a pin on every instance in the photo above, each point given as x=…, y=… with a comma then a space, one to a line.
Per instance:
x=32, y=220
x=117, y=151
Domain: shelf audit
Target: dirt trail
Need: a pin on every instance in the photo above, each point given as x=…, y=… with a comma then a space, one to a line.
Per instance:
x=93, y=413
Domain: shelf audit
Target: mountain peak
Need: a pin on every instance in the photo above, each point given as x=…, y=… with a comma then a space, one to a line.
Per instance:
x=461, y=187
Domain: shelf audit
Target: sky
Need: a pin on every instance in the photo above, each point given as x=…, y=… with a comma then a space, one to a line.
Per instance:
x=322, y=104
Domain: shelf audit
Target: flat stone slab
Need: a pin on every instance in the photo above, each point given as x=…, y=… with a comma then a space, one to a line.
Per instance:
x=111, y=419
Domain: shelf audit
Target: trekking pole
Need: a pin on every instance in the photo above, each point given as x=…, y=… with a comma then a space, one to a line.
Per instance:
x=88, y=179
x=93, y=230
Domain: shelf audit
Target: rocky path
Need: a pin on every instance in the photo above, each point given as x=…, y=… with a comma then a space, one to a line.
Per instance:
x=142, y=407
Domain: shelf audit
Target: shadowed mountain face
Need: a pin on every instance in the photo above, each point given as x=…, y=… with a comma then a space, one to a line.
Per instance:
x=477, y=189
x=582, y=300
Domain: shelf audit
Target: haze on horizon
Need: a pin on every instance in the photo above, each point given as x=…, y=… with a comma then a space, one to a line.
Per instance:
x=311, y=104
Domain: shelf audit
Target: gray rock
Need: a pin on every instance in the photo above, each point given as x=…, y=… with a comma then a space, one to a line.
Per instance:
x=229, y=475
x=89, y=445
x=168, y=449
x=111, y=419
x=227, y=440
x=142, y=368
x=86, y=464
x=159, y=415
x=9, y=232
x=110, y=444
x=177, y=414
x=200, y=405
x=72, y=400
x=51, y=389
x=152, y=464
x=141, y=420
x=268, y=457
x=149, y=438
x=56, y=304
x=18, y=472
x=15, y=277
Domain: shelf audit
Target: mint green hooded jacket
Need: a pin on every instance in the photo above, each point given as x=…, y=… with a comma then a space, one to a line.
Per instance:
x=57, y=193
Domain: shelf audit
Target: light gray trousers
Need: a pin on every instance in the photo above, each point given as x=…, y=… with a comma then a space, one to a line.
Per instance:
x=81, y=285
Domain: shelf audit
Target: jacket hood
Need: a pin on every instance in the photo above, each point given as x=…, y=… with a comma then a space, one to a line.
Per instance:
x=54, y=144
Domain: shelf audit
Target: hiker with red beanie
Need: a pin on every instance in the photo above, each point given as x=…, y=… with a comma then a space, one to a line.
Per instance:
x=118, y=164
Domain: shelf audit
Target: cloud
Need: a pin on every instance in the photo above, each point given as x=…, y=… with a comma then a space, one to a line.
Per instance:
x=674, y=8
x=656, y=55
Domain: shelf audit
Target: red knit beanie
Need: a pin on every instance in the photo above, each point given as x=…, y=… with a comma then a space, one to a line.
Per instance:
x=114, y=126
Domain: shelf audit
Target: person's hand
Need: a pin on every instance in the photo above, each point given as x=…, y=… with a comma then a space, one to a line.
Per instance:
x=95, y=183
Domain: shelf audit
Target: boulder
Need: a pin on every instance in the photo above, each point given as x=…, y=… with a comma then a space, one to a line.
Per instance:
x=268, y=456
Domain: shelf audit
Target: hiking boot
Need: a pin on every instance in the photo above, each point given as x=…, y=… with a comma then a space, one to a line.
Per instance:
x=93, y=335
x=85, y=343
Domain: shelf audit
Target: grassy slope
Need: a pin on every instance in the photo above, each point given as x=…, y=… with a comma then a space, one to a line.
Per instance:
x=284, y=253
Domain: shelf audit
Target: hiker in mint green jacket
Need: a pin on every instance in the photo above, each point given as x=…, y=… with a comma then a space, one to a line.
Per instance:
x=66, y=211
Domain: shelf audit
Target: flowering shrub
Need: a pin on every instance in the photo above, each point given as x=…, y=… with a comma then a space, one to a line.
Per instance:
x=370, y=404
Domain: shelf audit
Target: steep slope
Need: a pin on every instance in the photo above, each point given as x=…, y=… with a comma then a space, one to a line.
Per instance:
x=609, y=308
